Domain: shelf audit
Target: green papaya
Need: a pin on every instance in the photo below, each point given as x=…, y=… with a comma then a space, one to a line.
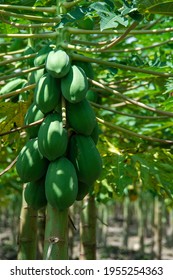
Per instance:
x=61, y=184
x=52, y=137
x=95, y=133
x=86, y=158
x=47, y=93
x=29, y=50
x=34, y=76
x=31, y=165
x=86, y=23
x=83, y=190
x=33, y=114
x=34, y=194
x=42, y=55
x=92, y=96
x=58, y=63
x=86, y=66
x=12, y=85
x=81, y=117
x=74, y=85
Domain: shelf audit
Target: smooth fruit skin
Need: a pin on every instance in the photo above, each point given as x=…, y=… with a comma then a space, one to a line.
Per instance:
x=52, y=137
x=58, y=63
x=34, y=76
x=86, y=66
x=47, y=93
x=34, y=194
x=33, y=114
x=42, y=55
x=74, y=85
x=61, y=184
x=31, y=165
x=81, y=117
x=83, y=190
x=86, y=158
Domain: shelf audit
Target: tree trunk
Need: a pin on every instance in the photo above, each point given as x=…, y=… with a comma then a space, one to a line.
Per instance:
x=158, y=228
x=126, y=221
x=27, y=232
x=56, y=234
x=88, y=230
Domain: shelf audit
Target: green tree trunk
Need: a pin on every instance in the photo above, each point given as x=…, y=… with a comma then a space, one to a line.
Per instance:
x=88, y=230
x=158, y=229
x=27, y=240
x=126, y=221
x=141, y=223
x=56, y=234
x=41, y=232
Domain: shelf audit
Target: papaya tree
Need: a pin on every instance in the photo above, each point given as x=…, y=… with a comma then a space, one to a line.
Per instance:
x=85, y=106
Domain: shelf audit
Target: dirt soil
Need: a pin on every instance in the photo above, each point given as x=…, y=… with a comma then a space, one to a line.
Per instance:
x=109, y=247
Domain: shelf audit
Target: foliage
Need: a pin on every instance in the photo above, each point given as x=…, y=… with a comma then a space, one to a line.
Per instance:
x=134, y=85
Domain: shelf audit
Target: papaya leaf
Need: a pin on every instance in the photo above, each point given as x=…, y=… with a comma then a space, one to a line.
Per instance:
x=112, y=21
x=155, y=6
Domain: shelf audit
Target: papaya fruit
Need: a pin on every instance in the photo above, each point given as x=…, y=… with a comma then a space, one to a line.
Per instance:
x=42, y=55
x=33, y=114
x=86, y=66
x=74, y=85
x=81, y=117
x=47, y=93
x=86, y=23
x=92, y=96
x=34, y=76
x=95, y=133
x=86, y=158
x=29, y=50
x=31, y=165
x=52, y=137
x=34, y=194
x=12, y=85
x=58, y=63
x=61, y=184
x=83, y=190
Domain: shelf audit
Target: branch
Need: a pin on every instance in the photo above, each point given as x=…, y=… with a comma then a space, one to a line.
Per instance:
x=32, y=36
x=21, y=73
x=28, y=25
x=28, y=8
x=31, y=17
x=126, y=114
x=16, y=92
x=8, y=167
x=129, y=132
x=8, y=61
x=21, y=127
x=114, y=42
x=120, y=66
x=142, y=105
x=134, y=32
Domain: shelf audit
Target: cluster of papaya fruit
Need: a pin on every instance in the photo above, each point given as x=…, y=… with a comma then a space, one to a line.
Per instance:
x=60, y=162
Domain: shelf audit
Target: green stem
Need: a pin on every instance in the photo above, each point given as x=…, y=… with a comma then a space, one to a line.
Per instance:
x=129, y=132
x=34, y=36
x=27, y=233
x=134, y=32
x=25, y=26
x=56, y=234
x=107, y=46
x=88, y=230
x=30, y=17
x=27, y=8
x=137, y=103
x=16, y=59
x=125, y=114
x=21, y=73
x=118, y=65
